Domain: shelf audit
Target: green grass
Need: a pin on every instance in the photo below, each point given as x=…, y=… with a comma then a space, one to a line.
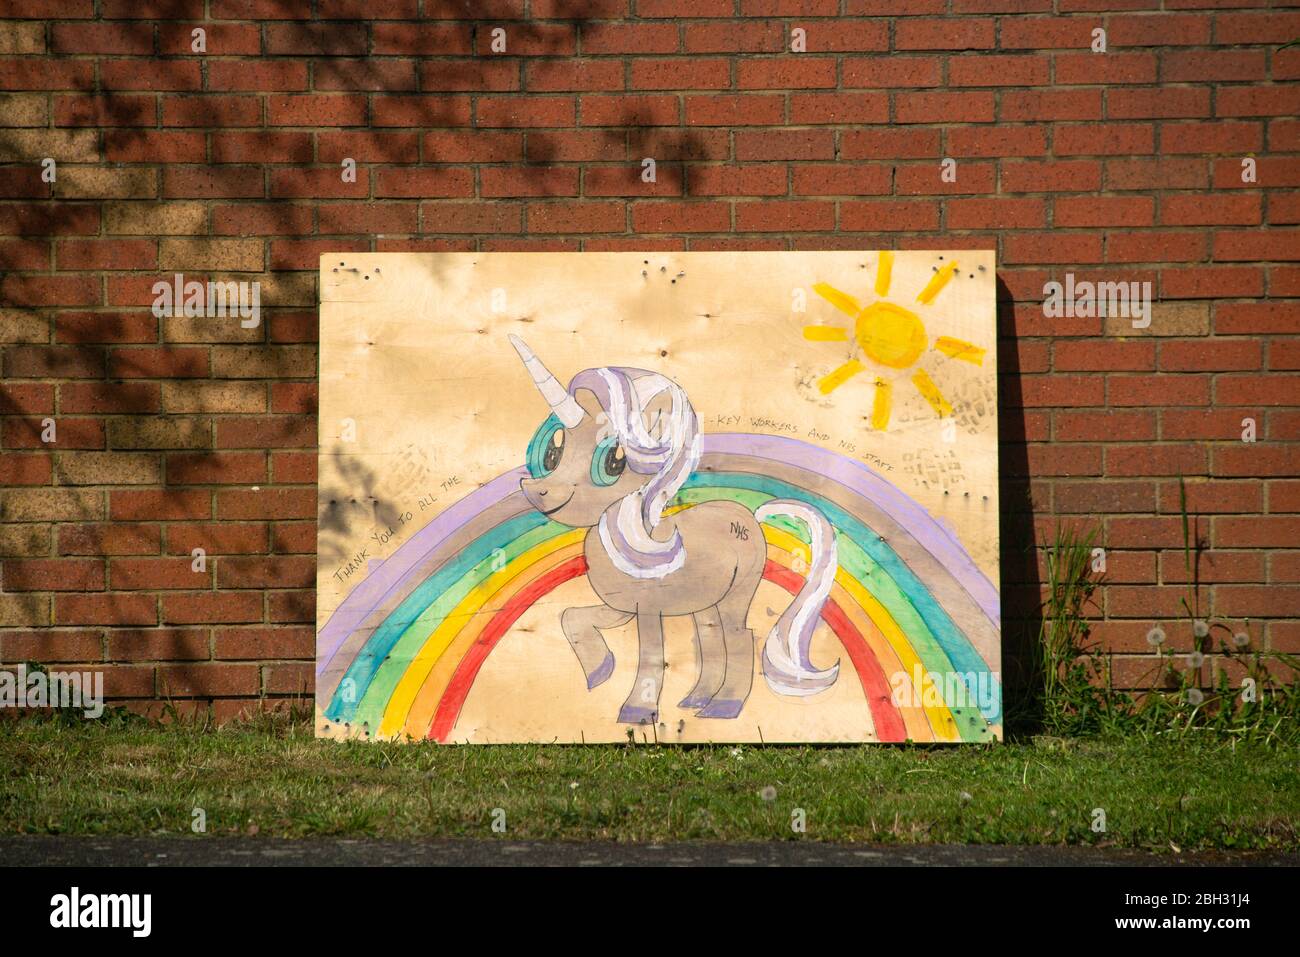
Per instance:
x=270, y=777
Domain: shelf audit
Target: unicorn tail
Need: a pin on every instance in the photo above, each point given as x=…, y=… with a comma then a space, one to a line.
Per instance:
x=785, y=653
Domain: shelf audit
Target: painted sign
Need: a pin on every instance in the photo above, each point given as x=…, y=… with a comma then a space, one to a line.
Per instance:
x=683, y=497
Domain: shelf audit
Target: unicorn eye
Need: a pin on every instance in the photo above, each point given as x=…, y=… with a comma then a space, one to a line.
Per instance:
x=608, y=462
x=546, y=448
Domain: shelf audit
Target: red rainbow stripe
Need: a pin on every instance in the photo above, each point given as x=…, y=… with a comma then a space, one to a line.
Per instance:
x=885, y=715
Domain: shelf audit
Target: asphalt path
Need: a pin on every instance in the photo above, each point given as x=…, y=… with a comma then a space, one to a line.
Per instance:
x=168, y=851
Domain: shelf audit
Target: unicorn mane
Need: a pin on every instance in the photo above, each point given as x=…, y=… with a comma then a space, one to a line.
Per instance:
x=667, y=451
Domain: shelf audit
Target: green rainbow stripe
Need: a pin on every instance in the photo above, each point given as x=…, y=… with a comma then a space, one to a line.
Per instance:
x=934, y=637
x=452, y=581
x=939, y=624
x=854, y=559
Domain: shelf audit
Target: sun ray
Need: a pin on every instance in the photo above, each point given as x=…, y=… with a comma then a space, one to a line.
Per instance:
x=883, y=273
x=826, y=333
x=840, y=376
x=960, y=349
x=936, y=284
x=840, y=300
x=881, y=405
x=925, y=385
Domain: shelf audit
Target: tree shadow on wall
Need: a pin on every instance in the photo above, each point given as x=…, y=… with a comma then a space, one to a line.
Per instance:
x=127, y=139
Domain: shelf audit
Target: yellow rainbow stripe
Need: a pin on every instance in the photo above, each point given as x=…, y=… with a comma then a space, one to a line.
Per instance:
x=415, y=701
x=432, y=647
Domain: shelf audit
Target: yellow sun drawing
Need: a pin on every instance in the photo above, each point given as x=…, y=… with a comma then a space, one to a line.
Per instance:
x=890, y=336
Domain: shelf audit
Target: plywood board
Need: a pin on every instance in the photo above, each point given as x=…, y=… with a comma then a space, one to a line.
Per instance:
x=685, y=497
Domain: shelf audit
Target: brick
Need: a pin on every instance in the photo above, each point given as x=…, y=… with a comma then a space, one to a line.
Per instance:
x=272, y=572
x=271, y=147
x=172, y=504
x=1257, y=390
x=945, y=34
x=1158, y=30
x=257, y=75
x=209, y=680
x=1215, y=495
x=289, y=468
x=809, y=180
x=31, y=73
x=412, y=111
x=755, y=109
x=1111, y=425
x=420, y=39
x=72, y=433
x=998, y=70
x=926, y=179
x=1103, y=211
x=211, y=608
x=964, y=107
x=414, y=183
x=839, y=108
x=793, y=72
x=1274, y=244
x=110, y=539
x=774, y=215
x=888, y=215
x=1157, y=102
x=267, y=503
x=642, y=38
x=1180, y=390
x=107, y=468
x=50, y=645
x=220, y=538
x=282, y=431
x=889, y=143
x=1209, y=210
x=664, y=216
x=1021, y=105
x=17, y=611
x=157, y=644
x=1096, y=497
x=999, y=141
x=254, y=643
x=1256, y=318
x=1068, y=248
x=1104, y=69
x=1254, y=459
x=1185, y=66
x=1212, y=356
x=576, y=217
x=154, y=574
x=1050, y=176
x=1124, y=461
x=1214, y=282
x=519, y=111
x=223, y=39
x=107, y=609
x=481, y=75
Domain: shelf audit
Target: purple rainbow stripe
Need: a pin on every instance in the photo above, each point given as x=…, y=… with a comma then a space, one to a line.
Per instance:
x=936, y=539
x=933, y=536
x=379, y=584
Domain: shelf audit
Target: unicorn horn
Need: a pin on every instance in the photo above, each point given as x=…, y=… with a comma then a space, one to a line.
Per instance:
x=564, y=406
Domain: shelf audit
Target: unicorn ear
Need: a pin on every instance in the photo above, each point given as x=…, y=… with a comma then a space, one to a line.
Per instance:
x=564, y=406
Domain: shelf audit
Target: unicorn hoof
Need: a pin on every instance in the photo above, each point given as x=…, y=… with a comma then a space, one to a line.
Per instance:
x=631, y=714
x=721, y=708
x=602, y=672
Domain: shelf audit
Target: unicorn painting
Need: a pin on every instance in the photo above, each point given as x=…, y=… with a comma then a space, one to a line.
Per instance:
x=781, y=524
x=618, y=445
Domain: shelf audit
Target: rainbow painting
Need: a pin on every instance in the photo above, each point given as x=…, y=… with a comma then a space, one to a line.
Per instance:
x=541, y=524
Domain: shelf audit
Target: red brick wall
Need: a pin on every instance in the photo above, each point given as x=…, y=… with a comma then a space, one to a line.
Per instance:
x=1120, y=166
